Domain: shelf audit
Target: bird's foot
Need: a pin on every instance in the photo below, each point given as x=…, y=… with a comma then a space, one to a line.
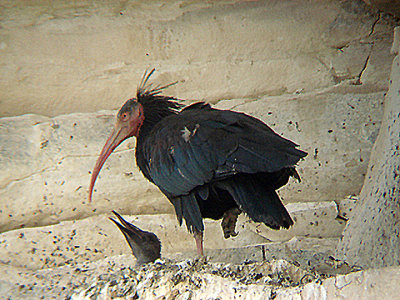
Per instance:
x=228, y=223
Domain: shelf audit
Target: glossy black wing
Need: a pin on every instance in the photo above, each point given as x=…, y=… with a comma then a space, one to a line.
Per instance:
x=259, y=149
x=185, y=151
x=181, y=154
x=201, y=145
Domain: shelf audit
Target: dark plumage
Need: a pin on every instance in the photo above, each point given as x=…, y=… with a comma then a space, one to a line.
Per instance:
x=209, y=163
x=145, y=246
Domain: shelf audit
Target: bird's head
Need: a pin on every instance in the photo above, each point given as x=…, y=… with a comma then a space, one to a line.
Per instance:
x=129, y=120
x=145, y=246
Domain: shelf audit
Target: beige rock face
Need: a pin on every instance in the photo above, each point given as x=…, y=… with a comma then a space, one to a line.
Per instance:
x=95, y=238
x=316, y=72
x=296, y=76
x=372, y=236
x=115, y=277
x=46, y=162
x=389, y=6
x=62, y=57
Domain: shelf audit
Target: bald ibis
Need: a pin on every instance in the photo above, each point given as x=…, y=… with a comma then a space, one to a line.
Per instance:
x=209, y=163
x=145, y=246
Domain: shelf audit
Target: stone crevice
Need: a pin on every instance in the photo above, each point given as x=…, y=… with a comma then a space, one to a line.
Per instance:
x=378, y=18
x=364, y=67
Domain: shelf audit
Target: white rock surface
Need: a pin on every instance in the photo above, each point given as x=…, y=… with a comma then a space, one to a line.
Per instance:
x=372, y=235
x=312, y=219
x=369, y=284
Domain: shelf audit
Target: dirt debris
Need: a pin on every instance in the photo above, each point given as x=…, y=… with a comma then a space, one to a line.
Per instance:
x=183, y=280
x=117, y=278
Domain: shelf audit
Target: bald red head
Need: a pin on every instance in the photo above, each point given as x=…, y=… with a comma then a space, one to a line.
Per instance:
x=129, y=120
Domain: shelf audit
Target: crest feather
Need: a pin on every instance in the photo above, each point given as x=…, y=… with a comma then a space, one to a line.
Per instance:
x=156, y=106
x=146, y=89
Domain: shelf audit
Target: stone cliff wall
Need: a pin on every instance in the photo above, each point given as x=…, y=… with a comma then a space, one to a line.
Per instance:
x=316, y=72
x=62, y=57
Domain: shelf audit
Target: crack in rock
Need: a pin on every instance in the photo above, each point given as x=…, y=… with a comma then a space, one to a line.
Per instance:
x=358, y=81
x=9, y=182
x=374, y=24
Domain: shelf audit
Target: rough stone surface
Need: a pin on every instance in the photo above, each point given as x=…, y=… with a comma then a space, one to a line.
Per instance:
x=115, y=277
x=316, y=72
x=70, y=257
x=61, y=57
x=372, y=235
x=95, y=238
x=389, y=6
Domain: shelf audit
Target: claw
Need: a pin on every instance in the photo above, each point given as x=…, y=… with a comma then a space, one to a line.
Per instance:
x=228, y=223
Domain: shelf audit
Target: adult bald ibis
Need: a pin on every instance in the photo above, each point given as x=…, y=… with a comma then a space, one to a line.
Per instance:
x=209, y=163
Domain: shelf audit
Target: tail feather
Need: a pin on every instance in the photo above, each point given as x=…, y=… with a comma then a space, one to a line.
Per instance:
x=186, y=207
x=260, y=202
x=278, y=179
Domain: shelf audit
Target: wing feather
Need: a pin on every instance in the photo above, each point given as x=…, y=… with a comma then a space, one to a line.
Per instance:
x=202, y=145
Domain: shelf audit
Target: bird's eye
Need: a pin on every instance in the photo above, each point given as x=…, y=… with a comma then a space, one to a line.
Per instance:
x=124, y=116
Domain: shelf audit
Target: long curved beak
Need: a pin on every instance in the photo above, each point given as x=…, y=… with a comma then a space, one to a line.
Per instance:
x=116, y=138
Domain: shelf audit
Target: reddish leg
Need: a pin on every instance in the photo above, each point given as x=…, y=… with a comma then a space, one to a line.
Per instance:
x=199, y=242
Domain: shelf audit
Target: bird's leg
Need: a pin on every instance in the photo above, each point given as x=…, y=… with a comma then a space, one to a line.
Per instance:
x=198, y=235
x=228, y=223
